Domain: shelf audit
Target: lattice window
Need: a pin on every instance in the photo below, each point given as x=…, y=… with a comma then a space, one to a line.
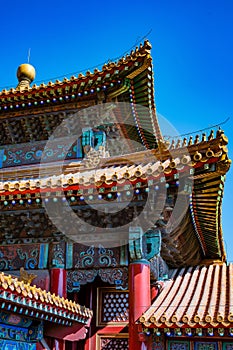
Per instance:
x=178, y=345
x=113, y=306
x=120, y=342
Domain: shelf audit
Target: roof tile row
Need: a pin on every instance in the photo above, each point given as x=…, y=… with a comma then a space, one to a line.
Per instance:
x=13, y=291
x=194, y=296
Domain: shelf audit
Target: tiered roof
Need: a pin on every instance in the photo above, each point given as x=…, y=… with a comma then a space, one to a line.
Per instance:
x=130, y=79
x=204, y=163
x=30, y=115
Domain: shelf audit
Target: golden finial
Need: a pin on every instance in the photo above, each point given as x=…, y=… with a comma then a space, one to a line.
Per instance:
x=26, y=74
x=26, y=71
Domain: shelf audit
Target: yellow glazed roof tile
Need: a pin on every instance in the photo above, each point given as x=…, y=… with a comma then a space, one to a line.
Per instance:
x=198, y=296
x=46, y=306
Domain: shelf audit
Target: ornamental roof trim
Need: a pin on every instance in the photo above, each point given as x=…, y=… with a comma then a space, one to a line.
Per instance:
x=131, y=78
x=200, y=296
x=34, y=302
x=107, y=69
x=108, y=176
x=99, y=169
x=206, y=163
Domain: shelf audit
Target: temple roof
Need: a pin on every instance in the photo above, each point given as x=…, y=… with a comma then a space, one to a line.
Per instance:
x=34, y=302
x=200, y=296
x=204, y=164
x=29, y=116
x=130, y=79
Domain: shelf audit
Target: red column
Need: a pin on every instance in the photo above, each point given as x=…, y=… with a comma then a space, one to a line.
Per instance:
x=59, y=345
x=139, y=299
x=58, y=287
x=58, y=282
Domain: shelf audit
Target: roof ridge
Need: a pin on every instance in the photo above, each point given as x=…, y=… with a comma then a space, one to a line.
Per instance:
x=142, y=50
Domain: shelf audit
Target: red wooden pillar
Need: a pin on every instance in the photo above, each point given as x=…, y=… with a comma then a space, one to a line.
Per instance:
x=58, y=287
x=59, y=344
x=90, y=338
x=58, y=281
x=139, y=299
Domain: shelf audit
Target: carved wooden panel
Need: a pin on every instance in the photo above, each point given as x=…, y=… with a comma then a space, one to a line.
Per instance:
x=117, y=276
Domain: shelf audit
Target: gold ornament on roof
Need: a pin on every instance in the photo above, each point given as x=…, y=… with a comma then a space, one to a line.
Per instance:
x=26, y=74
x=26, y=71
x=26, y=277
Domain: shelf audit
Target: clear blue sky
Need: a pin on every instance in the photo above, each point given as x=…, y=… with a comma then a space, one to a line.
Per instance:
x=192, y=54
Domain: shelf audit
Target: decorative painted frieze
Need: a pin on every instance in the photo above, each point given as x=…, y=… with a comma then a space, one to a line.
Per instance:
x=98, y=257
x=29, y=256
x=13, y=319
x=117, y=276
x=80, y=277
x=57, y=253
x=30, y=153
x=16, y=345
x=17, y=333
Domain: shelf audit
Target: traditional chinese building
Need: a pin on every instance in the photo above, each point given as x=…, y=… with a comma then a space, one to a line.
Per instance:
x=99, y=209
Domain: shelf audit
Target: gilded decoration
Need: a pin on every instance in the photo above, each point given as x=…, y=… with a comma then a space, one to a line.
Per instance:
x=26, y=277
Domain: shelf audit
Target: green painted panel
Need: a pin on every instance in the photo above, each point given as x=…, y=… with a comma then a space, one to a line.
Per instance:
x=178, y=345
